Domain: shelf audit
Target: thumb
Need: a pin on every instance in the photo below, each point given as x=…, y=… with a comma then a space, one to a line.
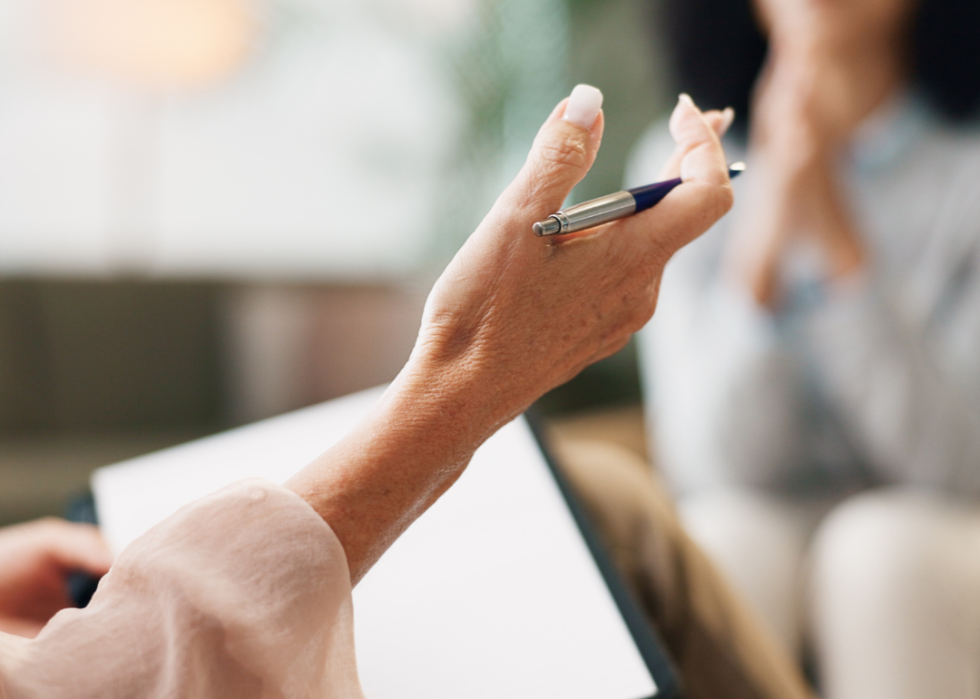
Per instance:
x=562, y=154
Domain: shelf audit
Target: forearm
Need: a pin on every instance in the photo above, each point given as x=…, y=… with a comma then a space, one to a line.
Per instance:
x=412, y=446
x=455, y=392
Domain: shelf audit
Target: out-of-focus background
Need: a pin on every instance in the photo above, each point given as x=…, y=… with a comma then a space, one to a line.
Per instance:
x=214, y=211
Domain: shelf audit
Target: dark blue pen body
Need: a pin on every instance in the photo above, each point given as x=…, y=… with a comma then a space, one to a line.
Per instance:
x=651, y=194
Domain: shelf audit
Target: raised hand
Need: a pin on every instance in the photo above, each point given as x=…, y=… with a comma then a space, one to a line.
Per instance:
x=518, y=314
x=511, y=317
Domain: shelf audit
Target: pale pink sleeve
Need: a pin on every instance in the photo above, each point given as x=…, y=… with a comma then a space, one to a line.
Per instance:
x=243, y=594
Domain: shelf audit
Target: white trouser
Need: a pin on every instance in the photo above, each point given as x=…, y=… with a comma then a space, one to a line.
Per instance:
x=885, y=585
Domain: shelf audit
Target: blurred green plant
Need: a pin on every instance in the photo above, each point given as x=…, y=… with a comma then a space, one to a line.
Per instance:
x=509, y=69
x=514, y=62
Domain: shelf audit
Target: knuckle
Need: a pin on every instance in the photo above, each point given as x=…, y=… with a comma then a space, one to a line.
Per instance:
x=564, y=153
x=525, y=197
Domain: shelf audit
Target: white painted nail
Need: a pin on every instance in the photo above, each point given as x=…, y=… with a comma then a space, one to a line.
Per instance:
x=583, y=106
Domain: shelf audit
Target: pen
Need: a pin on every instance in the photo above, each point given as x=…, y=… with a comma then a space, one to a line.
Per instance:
x=611, y=207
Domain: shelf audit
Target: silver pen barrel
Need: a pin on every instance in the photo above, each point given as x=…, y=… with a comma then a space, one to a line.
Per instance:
x=587, y=215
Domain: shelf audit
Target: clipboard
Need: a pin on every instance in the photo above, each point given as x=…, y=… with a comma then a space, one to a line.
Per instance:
x=647, y=640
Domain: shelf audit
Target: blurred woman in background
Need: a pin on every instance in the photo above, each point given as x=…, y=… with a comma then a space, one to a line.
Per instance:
x=814, y=371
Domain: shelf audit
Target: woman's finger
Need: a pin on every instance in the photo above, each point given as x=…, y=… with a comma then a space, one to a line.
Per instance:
x=562, y=154
x=74, y=546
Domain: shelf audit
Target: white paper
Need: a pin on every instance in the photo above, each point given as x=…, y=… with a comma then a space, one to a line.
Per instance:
x=491, y=593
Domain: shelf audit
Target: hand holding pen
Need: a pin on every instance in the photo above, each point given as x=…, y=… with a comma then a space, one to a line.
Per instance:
x=613, y=207
x=619, y=205
x=508, y=320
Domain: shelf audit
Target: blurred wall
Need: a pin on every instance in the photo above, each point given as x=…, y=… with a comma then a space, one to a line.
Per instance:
x=289, y=346
x=93, y=372
x=84, y=355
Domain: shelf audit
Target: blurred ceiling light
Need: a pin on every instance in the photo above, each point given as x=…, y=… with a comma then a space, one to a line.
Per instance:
x=151, y=43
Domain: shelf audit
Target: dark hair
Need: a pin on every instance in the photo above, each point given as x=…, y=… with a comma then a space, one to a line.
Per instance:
x=716, y=51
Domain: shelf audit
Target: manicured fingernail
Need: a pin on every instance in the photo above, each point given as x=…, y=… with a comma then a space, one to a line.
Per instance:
x=727, y=117
x=583, y=106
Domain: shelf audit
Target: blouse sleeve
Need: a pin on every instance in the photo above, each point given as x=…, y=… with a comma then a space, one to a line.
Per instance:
x=244, y=593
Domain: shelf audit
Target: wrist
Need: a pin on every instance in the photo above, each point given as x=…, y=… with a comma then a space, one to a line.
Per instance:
x=451, y=401
x=413, y=444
